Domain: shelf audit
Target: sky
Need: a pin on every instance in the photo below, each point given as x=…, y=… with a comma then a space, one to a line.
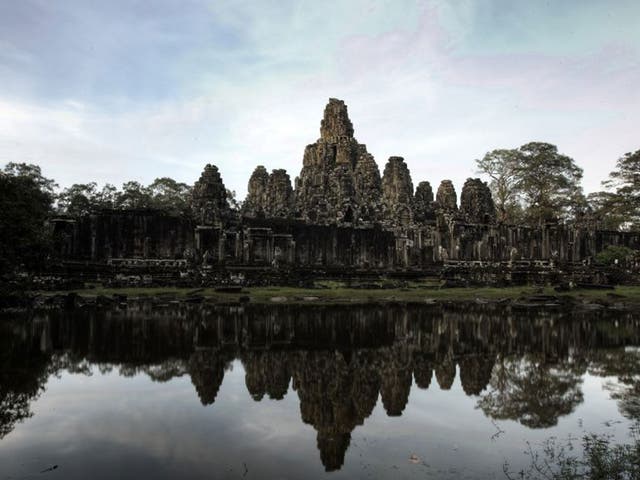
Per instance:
x=112, y=91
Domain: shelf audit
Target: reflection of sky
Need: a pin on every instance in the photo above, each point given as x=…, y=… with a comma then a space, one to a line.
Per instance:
x=119, y=90
x=107, y=426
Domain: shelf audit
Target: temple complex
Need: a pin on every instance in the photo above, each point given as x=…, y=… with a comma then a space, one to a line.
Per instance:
x=338, y=214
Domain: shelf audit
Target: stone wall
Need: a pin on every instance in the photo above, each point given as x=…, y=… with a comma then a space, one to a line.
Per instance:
x=342, y=214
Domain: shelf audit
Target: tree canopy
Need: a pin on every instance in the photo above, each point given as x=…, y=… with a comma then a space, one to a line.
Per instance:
x=26, y=199
x=620, y=205
x=534, y=182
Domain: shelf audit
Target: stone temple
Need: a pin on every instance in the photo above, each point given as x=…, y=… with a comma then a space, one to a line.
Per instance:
x=340, y=215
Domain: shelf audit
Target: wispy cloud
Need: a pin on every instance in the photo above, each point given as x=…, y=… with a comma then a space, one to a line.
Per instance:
x=112, y=91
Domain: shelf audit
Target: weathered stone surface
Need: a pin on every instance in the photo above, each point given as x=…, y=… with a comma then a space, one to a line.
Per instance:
x=447, y=198
x=210, y=197
x=351, y=218
x=339, y=181
x=476, y=203
x=253, y=205
x=335, y=123
x=368, y=185
x=278, y=198
x=423, y=208
x=397, y=192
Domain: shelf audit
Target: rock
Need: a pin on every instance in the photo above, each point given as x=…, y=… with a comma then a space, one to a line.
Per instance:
x=476, y=203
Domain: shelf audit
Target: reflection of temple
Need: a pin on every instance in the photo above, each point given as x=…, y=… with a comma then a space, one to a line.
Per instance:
x=338, y=360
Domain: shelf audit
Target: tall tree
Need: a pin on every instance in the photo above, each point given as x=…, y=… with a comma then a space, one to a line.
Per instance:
x=133, y=195
x=501, y=166
x=624, y=201
x=548, y=182
x=79, y=198
x=169, y=195
x=26, y=199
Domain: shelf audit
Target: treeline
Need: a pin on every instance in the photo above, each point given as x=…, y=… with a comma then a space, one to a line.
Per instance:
x=535, y=184
x=162, y=194
x=531, y=185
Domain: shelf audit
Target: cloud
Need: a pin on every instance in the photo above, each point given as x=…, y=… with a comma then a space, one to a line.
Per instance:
x=113, y=91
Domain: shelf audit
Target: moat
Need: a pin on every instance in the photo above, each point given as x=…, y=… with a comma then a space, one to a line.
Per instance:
x=291, y=391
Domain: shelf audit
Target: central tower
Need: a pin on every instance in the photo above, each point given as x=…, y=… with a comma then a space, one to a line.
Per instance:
x=339, y=181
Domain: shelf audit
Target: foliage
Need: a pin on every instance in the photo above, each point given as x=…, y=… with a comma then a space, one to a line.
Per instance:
x=534, y=183
x=501, y=167
x=516, y=391
x=621, y=207
x=169, y=195
x=163, y=194
x=548, y=181
x=601, y=459
x=26, y=199
x=613, y=253
x=81, y=199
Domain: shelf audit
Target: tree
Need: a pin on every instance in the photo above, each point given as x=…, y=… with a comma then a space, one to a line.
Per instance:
x=78, y=199
x=501, y=167
x=169, y=195
x=534, y=183
x=133, y=195
x=548, y=182
x=26, y=199
x=34, y=173
x=623, y=204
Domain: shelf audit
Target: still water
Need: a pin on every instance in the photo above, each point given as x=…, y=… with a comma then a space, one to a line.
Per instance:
x=306, y=392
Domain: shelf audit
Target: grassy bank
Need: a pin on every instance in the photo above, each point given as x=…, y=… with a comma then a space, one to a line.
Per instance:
x=334, y=292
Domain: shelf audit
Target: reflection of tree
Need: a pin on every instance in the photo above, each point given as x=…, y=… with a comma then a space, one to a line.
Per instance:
x=531, y=391
x=24, y=369
x=625, y=365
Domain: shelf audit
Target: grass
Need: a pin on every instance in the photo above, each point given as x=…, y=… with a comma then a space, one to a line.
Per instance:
x=338, y=292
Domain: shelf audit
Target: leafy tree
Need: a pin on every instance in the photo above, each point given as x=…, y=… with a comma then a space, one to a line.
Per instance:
x=501, y=166
x=613, y=255
x=169, y=195
x=621, y=207
x=133, y=195
x=78, y=199
x=548, y=182
x=233, y=202
x=534, y=183
x=34, y=173
x=26, y=199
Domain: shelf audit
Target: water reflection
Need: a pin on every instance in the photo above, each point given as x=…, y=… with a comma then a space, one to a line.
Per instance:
x=521, y=366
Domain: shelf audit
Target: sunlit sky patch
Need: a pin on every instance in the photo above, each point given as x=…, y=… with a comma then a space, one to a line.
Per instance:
x=134, y=90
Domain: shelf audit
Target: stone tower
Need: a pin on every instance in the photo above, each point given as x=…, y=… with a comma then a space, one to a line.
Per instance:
x=397, y=192
x=423, y=203
x=253, y=205
x=476, y=203
x=446, y=197
x=210, y=197
x=278, y=198
x=339, y=181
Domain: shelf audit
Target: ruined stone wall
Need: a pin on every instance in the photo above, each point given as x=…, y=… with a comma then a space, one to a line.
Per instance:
x=342, y=214
x=131, y=234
